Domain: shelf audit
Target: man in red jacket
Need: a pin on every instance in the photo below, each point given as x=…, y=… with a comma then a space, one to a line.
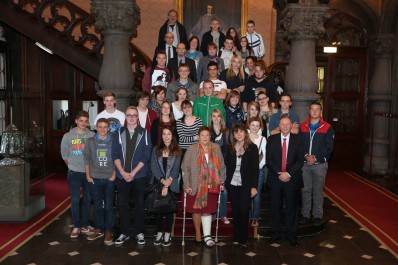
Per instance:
x=317, y=139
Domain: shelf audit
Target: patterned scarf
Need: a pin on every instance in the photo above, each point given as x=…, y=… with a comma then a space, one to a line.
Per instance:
x=209, y=171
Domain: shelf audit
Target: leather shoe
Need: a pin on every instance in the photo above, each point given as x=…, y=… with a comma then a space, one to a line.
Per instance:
x=293, y=242
x=317, y=222
x=273, y=239
x=304, y=220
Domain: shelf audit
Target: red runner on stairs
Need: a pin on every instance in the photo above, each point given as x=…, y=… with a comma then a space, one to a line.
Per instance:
x=370, y=205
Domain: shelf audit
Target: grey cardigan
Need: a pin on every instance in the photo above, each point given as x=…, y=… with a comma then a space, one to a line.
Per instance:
x=190, y=168
x=172, y=169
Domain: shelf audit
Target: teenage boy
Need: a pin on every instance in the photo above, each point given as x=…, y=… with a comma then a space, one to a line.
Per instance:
x=220, y=87
x=214, y=35
x=146, y=115
x=257, y=82
x=100, y=174
x=131, y=152
x=255, y=40
x=226, y=52
x=204, y=105
x=211, y=57
x=285, y=102
x=185, y=81
x=318, y=140
x=72, y=152
x=158, y=75
x=115, y=116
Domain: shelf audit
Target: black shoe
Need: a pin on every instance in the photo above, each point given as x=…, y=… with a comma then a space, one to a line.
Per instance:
x=304, y=220
x=273, y=239
x=293, y=242
x=317, y=222
x=242, y=246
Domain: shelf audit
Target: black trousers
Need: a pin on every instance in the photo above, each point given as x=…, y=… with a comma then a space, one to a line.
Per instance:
x=241, y=202
x=283, y=201
x=137, y=187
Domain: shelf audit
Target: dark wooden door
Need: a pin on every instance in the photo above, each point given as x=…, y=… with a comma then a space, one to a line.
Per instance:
x=345, y=105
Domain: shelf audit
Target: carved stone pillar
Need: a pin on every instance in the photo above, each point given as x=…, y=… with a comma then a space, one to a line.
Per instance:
x=379, y=100
x=282, y=47
x=303, y=25
x=117, y=20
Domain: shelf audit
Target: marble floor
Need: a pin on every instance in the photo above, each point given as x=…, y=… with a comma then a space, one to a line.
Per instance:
x=341, y=242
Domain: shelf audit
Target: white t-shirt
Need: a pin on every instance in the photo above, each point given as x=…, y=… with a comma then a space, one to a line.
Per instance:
x=218, y=85
x=178, y=113
x=142, y=116
x=115, y=118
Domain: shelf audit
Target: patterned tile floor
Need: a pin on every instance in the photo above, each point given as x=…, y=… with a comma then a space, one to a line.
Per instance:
x=342, y=242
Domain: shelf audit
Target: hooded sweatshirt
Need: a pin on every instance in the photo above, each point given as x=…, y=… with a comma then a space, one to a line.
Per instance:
x=72, y=148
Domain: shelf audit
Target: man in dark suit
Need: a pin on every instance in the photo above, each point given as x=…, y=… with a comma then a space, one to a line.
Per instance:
x=180, y=59
x=284, y=162
x=167, y=47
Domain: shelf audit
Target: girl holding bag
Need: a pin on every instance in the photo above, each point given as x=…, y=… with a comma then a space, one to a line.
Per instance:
x=165, y=165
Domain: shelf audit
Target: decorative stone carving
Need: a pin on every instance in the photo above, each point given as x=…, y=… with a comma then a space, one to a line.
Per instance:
x=123, y=15
x=117, y=20
x=304, y=20
x=303, y=24
x=282, y=47
x=383, y=45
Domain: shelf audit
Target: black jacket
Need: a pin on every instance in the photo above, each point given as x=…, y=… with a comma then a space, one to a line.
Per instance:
x=207, y=38
x=173, y=65
x=181, y=31
x=249, y=170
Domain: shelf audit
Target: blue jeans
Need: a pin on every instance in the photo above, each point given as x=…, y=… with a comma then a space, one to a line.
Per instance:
x=257, y=200
x=77, y=180
x=102, y=193
x=223, y=204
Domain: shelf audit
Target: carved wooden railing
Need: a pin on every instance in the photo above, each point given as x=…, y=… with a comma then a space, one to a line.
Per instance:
x=70, y=24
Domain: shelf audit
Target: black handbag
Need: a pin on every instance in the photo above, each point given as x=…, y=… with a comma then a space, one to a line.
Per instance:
x=157, y=204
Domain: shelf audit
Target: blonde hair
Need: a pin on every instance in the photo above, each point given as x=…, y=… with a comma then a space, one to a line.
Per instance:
x=230, y=72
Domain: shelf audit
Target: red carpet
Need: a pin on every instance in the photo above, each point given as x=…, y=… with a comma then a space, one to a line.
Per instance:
x=57, y=197
x=370, y=205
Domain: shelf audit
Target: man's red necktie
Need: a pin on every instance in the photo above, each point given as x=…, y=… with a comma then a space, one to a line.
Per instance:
x=284, y=155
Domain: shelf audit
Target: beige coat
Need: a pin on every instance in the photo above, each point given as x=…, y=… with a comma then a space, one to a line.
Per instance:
x=190, y=168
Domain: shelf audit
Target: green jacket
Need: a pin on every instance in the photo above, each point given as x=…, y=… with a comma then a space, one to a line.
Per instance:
x=203, y=107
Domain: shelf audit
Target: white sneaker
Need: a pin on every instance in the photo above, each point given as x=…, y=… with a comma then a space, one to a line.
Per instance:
x=158, y=239
x=225, y=220
x=121, y=239
x=140, y=239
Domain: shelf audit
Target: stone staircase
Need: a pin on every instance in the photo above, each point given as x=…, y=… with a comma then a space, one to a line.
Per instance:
x=65, y=29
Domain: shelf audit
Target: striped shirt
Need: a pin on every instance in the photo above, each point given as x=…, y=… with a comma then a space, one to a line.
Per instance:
x=187, y=133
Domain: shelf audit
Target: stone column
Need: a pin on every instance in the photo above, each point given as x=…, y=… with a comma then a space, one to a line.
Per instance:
x=303, y=24
x=282, y=47
x=379, y=100
x=117, y=20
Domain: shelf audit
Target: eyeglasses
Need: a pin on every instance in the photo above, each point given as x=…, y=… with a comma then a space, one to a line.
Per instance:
x=132, y=115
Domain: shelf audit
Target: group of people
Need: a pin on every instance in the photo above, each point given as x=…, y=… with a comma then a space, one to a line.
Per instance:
x=223, y=138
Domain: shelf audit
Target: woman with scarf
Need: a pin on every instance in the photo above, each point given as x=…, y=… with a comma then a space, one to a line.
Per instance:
x=233, y=111
x=203, y=171
x=165, y=166
x=242, y=162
